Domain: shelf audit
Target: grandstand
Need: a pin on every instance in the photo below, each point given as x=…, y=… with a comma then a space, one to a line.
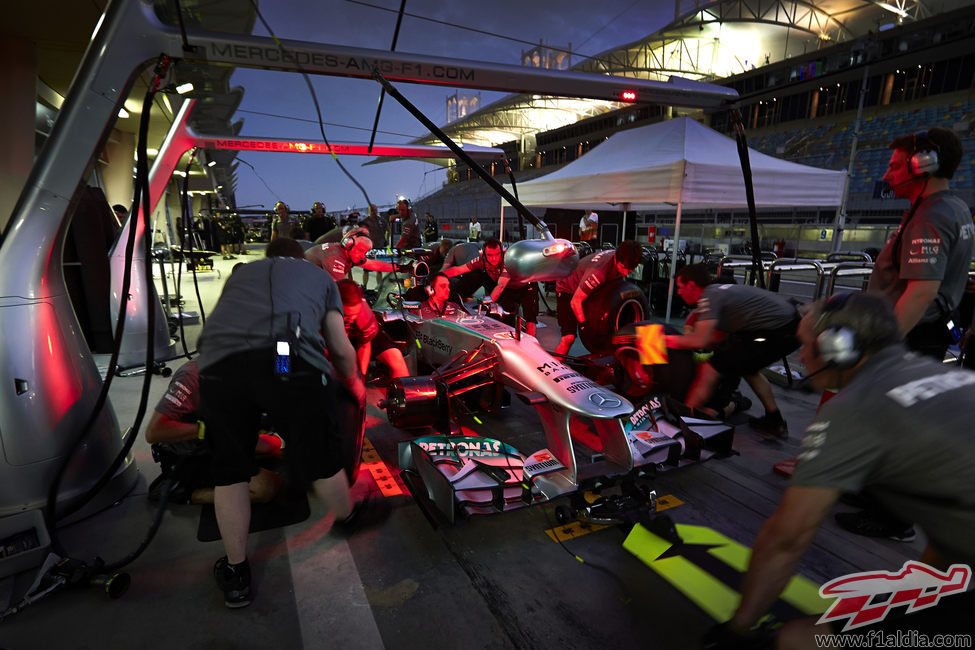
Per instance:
x=914, y=73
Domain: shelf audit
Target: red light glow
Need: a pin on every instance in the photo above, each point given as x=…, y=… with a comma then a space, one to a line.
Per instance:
x=628, y=96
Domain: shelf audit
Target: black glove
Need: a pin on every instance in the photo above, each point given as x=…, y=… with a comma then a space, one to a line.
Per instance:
x=723, y=637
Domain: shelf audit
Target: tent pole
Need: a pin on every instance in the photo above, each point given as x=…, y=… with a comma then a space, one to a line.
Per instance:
x=623, y=231
x=673, y=262
x=501, y=234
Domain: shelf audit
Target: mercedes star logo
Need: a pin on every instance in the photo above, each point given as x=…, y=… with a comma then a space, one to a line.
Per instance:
x=603, y=400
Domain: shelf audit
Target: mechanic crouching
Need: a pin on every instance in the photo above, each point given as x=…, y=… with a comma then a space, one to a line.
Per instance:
x=748, y=328
x=488, y=271
x=263, y=350
x=592, y=272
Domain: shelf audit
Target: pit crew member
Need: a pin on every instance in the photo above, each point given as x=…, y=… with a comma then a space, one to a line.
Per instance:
x=592, y=272
x=898, y=429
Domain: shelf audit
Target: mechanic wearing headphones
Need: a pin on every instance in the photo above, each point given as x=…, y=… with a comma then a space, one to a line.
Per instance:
x=409, y=225
x=923, y=267
x=747, y=327
x=338, y=258
x=487, y=270
x=900, y=429
x=282, y=223
x=318, y=223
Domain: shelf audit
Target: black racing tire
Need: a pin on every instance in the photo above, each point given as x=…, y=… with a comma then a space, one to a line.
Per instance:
x=610, y=307
x=351, y=422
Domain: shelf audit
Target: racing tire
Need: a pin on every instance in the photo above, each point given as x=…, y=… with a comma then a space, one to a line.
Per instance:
x=351, y=422
x=610, y=307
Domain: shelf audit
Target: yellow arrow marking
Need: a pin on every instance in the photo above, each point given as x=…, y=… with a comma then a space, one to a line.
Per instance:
x=707, y=592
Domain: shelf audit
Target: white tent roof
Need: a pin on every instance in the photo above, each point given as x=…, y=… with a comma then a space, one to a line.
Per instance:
x=675, y=161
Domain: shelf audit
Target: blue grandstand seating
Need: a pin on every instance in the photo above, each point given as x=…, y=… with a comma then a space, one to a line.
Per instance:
x=828, y=144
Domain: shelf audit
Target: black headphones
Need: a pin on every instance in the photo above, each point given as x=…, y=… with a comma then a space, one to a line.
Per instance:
x=838, y=346
x=348, y=239
x=429, y=288
x=925, y=159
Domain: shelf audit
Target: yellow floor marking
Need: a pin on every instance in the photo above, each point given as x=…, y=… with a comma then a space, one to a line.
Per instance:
x=705, y=590
x=389, y=483
x=667, y=502
x=572, y=529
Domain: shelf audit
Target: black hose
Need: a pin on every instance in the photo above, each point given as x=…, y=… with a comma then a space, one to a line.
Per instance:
x=746, y=170
x=140, y=196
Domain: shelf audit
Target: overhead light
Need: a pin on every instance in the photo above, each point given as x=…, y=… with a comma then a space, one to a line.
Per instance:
x=123, y=113
x=211, y=163
x=892, y=9
x=182, y=89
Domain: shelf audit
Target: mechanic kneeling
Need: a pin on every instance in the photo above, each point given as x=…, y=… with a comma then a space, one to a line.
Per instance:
x=177, y=438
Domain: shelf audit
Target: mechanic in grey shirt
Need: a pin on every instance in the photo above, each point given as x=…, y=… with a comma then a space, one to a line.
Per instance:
x=900, y=429
x=923, y=267
x=263, y=349
x=748, y=328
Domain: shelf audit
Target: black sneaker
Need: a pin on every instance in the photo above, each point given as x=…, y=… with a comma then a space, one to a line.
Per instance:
x=872, y=524
x=366, y=514
x=770, y=424
x=235, y=581
x=741, y=402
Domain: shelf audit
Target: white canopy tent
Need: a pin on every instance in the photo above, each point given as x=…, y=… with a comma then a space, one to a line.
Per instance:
x=678, y=163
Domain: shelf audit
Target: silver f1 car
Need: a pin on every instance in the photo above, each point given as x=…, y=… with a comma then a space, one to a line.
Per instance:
x=476, y=357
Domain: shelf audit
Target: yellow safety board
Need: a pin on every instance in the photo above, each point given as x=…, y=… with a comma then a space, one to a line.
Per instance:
x=650, y=344
x=580, y=528
x=705, y=590
x=389, y=484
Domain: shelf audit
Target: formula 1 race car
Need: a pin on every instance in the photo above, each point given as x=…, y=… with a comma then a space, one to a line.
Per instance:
x=477, y=359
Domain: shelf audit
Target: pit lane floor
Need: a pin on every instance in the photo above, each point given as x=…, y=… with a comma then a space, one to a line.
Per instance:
x=494, y=581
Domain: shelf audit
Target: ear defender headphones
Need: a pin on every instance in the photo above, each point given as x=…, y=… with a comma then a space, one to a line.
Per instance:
x=925, y=160
x=838, y=346
x=429, y=288
x=348, y=240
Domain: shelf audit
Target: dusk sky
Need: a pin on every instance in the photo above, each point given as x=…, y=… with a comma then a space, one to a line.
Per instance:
x=299, y=180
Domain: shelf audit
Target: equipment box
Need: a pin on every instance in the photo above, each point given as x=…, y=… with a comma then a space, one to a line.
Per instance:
x=24, y=542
